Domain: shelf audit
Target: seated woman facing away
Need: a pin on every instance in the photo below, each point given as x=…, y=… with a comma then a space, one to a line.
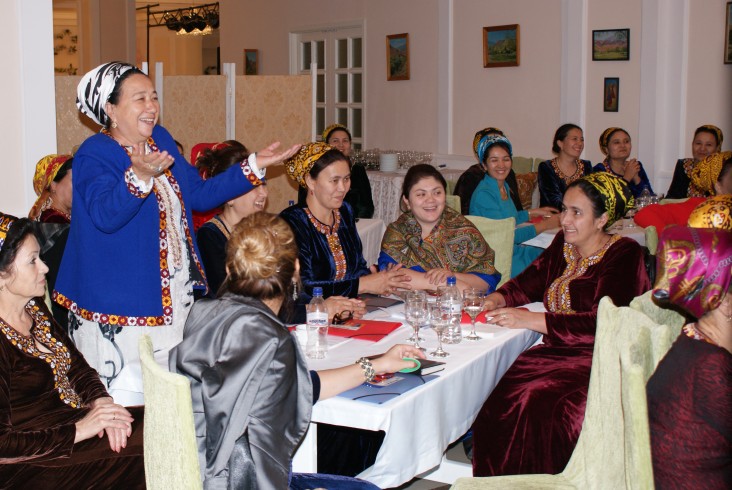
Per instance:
x=707, y=140
x=491, y=199
x=690, y=393
x=532, y=419
x=325, y=229
x=58, y=426
x=713, y=175
x=434, y=241
x=213, y=235
x=556, y=174
x=252, y=393
x=616, y=146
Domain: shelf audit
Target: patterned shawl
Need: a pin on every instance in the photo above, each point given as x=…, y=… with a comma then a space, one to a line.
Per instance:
x=454, y=243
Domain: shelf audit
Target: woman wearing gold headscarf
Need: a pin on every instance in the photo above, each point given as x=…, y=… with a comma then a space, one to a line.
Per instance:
x=52, y=183
x=712, y=175
x=616, y=146
x=514, y=432
x=707, y=140
x=325, y=229
x=359, y=195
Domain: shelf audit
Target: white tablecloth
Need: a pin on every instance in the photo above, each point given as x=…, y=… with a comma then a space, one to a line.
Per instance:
x=386, y=190
x=544, y=239
x=371, y=232
x=421, y=423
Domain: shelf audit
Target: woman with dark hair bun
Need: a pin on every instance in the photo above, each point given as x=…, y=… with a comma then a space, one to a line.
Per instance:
x=214, y=234
x=556, y=174
x=434, y=241
x=53, y=407
x=616, y=146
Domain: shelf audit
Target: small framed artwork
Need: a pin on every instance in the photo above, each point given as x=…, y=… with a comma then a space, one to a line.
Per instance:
x=612, y=94
x=501, y=46
x=728, y=34
x=611, y=45
x=397, y=57
x=251, y=61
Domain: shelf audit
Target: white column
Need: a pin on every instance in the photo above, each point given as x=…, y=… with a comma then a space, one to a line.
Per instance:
x=445, y=72
x=664, y=58
x=28, y=124
x=573, y=92
x=229, y=70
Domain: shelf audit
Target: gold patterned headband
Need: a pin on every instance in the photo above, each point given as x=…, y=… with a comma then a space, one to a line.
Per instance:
x=714, y=129
x=706, y=172
x=605, y=136
x=615, y=192
x=333, y=127
x=300, y=164
x=715, y=212
x=6, y=221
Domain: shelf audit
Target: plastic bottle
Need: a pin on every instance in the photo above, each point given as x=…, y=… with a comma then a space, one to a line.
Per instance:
x=452, y=301
x=317, y=323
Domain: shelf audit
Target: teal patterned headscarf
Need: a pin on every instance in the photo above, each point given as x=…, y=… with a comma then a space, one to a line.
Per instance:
x=486, y=142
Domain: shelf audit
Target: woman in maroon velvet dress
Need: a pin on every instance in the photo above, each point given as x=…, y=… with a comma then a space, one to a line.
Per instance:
x=58, y=426
x=690, y=394
x=532, y=419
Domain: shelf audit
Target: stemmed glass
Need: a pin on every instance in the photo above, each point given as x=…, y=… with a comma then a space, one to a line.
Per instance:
x=630, y=214
x=415, y=311
x=472, y=305
x=439, y=320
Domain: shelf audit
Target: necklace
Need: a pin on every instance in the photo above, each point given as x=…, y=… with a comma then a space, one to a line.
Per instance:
x=334, y=243
x=568, y=179
x=693, y=332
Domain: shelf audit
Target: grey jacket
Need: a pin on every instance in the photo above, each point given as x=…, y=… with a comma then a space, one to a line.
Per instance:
x=248, y=377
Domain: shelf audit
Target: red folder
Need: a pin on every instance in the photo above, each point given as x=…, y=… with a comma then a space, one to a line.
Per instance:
x=372, y=330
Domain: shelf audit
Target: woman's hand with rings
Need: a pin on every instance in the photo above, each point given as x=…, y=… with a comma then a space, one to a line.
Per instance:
x=106, y=416
x=150, y=165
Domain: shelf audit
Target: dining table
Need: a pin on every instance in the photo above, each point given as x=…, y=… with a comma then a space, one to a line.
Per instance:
x=421, y=423
x=386, y=190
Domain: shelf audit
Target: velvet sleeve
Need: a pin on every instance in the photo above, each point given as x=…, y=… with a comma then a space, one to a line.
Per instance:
x=621, y=276
x=679, y=187
x=663, y=215
x=212, y=247
x=713, y=392
x=644, y=183
x=18, y=446
x=550, y=190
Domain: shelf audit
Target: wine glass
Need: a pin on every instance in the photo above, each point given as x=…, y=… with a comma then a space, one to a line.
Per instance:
x=438, y=321
x=472, y=305
x=630, y=214
x=415, y=312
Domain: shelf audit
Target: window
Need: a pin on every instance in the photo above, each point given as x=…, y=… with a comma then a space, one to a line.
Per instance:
x=338, y=56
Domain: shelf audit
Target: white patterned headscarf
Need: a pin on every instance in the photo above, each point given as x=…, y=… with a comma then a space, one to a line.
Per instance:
x=95, y=87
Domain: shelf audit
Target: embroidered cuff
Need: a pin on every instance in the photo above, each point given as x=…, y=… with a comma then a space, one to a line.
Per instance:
x=254, y=174
x=137, y=187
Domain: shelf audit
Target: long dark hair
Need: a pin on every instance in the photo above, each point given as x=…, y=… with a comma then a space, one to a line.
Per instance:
x=19, y=231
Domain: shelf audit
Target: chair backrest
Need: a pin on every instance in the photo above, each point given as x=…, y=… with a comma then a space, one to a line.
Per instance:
x=453, y=202
x=614, y=449
x=651, y=239
x=499, y=235
x=171, y=453
x=522, y=165
x=662, y=316
x=672, y=201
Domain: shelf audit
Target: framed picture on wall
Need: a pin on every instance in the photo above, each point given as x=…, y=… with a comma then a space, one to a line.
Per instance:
x=251, y=61
x=728, y=34
x=397, y=57
x=611, y=45
x=501, y=46
x=611, y=94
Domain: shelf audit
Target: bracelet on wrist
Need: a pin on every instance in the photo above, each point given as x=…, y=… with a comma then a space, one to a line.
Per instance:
x=368, y=368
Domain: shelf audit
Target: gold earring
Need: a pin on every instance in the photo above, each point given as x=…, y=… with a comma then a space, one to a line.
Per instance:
x=114, y=125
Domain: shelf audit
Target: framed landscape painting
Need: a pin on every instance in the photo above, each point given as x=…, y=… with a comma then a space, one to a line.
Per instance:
x=251, y=61
x=501, y=46
x=611, y=45
x=397, y=57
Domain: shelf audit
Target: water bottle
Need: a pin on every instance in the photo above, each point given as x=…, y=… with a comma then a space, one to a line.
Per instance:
x=452, y=301
x=317, y=325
